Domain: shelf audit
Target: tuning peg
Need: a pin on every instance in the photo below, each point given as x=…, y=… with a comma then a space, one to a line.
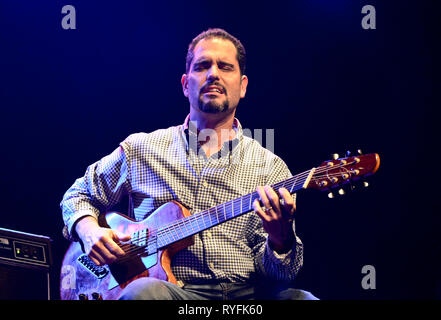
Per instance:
x=341, y=192
x=97, y=296
x=330, y=195
x=359, y=152
x=348, y=153
x=335, y=156
x=362, y=184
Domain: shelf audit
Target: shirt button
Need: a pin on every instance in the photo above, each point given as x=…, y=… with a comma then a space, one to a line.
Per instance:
x=211, y=265
x=209, y=234
x=205, y=184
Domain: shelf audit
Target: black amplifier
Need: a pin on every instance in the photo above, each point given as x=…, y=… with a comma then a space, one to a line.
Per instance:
x=25, y=263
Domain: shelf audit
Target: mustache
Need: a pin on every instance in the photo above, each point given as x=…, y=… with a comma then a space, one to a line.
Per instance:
x=204, y=87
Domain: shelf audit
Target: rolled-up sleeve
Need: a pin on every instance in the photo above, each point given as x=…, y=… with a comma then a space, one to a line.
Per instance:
x=101, y=187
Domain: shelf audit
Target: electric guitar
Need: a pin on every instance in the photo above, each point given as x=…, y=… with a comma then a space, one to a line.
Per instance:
x=170, y=228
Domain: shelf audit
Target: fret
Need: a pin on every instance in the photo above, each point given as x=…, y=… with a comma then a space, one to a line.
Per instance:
x=193, y=223
x=213, y=217
x=164, y=235
x=239, y=209
x=225, y=211
x=228, y=210
x=293, y=184
x=206, y=216
x=217, y=215
x=232, y=209
x=161, y=241
x=179, y=234
x=255, y=196
x=171, y=231
x=283, y=184
x=186, y=226
x=222, y=212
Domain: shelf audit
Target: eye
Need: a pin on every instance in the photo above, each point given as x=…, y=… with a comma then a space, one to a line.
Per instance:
x=226, y=66
x=199, y=66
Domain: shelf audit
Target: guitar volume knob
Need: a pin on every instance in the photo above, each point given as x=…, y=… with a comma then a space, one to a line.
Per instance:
x=83, y=296
x=96, y=296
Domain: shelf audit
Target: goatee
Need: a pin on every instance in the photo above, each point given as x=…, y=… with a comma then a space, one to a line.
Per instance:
x=213, y=107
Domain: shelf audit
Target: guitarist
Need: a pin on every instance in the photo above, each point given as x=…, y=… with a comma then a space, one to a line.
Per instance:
x=204, y=162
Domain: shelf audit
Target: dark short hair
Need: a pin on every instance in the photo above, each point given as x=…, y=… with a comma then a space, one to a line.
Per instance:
x=217, y=33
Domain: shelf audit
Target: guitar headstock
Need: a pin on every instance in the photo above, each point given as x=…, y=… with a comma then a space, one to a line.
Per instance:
x=340, y=171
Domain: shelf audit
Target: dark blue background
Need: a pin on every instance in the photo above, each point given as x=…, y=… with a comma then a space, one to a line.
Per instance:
x=324, y=84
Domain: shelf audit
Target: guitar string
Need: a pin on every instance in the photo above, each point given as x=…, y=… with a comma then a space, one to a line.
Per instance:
x=196, y=217
x=189, y=223
x=234, y=201
x=172, y=227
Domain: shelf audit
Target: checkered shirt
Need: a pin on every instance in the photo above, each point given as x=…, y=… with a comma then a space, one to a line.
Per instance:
x=169, y=164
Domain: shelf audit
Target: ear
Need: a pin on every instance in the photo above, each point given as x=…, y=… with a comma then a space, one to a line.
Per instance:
x=184, y=82
x=243, y=86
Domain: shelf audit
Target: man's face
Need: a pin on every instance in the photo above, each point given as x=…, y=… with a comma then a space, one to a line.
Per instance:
x=214, y=83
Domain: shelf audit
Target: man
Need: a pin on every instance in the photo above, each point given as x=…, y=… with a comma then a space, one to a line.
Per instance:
x=202, y=163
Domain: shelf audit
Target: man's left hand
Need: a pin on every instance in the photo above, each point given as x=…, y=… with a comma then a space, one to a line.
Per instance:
x=277, y=216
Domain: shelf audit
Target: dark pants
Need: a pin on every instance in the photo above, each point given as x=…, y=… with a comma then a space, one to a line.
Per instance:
x=154, y=289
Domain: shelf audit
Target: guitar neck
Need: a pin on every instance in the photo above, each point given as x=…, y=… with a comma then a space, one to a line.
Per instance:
x=204, y=220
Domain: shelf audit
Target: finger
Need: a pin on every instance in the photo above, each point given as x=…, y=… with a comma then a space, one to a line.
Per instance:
x=265, y=202
x=103, y=251
x=113, y=249
x=96, y=258
x=121, y=236
x=258, y=209
x=289, y=205
x=274, y=200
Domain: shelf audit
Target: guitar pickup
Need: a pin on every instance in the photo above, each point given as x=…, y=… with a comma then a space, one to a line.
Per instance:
x=97, y=271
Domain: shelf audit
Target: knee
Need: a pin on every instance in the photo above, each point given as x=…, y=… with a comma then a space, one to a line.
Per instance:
x=296, y=294
x=146, y=289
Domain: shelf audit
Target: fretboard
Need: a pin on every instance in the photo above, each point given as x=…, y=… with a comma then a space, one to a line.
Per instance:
x=204, y=220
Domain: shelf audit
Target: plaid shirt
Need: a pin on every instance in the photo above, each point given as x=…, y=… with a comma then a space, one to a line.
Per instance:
x=169, y=164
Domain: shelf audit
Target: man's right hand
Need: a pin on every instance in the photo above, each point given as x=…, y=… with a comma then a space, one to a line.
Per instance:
x=100, y=244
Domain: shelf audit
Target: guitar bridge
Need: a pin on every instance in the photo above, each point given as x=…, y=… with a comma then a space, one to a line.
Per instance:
x=97, y=271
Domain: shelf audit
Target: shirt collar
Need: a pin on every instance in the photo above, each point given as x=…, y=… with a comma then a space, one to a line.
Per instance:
x=186, y=132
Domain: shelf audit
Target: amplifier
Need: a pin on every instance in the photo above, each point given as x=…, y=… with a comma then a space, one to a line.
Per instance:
x=25, y=262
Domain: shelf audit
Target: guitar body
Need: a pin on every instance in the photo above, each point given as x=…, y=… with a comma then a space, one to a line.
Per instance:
x=81, y=279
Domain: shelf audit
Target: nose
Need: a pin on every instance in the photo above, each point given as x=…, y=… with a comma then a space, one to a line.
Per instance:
x=213, y=73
